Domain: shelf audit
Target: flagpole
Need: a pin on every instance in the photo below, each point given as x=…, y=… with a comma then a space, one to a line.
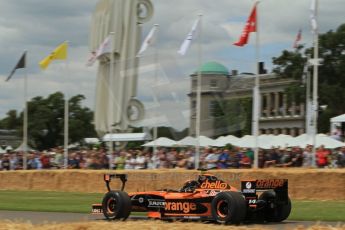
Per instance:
x=315, y=83
x=111, y=102
x=25, y=126
x=256, y=93
x=155, y=131
x=308, y=99
x=66, y=121
x=198, y=97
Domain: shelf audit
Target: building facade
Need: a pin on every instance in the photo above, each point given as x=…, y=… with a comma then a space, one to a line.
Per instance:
x=9, y=138
x=218, y=85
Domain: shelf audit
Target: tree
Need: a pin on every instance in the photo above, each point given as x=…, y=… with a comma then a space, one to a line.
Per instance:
x=234, y=117
x=12, y=121
x=331, y=74
x=46, y=121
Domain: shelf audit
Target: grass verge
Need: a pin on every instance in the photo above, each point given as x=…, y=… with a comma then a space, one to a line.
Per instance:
x=81, y=203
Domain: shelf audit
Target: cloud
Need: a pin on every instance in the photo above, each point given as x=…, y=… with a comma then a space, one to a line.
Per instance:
x=39, y=26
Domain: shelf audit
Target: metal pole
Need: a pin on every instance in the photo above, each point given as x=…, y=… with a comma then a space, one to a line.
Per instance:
x=315, y=84
x=155, y=131
x=198, y=98
x=256, y=98
x=111, y=102
x=66, y=124
x=25, y=126
x=308, y=100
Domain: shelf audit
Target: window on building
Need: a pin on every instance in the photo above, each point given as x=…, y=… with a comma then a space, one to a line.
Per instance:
x=213, y=83
x=214, y=109
x=193, y=108
x=194, y=83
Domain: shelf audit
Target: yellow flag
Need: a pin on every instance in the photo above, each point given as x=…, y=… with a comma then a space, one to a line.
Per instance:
x=60, y=53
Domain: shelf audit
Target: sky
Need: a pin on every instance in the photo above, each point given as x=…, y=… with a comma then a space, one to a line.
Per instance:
x=38, y=26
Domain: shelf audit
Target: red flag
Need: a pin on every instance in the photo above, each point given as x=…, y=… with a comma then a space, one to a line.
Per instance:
x=298, y=38
x=249, y=27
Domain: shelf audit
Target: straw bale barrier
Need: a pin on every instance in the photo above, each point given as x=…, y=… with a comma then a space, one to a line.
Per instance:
x=149, y=225
x=319, y=184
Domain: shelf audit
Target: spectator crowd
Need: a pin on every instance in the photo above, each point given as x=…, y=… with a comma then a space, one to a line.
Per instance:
x=167, y=158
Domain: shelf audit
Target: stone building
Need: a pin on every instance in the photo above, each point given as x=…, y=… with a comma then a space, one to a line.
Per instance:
x=277, y=115
x=9, y=138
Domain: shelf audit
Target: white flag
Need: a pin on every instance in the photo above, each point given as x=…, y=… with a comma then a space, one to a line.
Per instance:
x=186, y=43
x=91, y=59
x=105, y=47
x=148, y=40
x=313, y=16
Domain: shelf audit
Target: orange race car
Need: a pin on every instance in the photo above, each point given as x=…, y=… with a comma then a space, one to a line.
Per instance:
x=207, y=198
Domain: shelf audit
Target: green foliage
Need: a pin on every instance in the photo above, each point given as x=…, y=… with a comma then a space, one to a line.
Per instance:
x=234, y=117
x=289, y=64
x=12, y=121
x=46, y=121
x=331, y=74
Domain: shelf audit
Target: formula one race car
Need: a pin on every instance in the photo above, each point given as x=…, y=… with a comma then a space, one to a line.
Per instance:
x=207, y=198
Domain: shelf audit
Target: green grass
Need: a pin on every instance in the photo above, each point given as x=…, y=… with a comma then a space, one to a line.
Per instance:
x=318, y=210
x=81, y=203
x=48, y=201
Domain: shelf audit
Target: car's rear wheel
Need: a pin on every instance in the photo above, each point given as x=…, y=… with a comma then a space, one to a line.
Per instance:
x=229, y=208
x=116, y=205
x=275, y=212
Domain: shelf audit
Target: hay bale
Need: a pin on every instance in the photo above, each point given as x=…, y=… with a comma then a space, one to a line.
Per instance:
x=149, y=225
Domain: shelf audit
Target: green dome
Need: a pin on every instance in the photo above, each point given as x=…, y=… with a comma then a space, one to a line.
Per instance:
x=213, y=68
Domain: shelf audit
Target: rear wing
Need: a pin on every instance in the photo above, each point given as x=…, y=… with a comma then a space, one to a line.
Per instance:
x=249, y=188
x=108, y=177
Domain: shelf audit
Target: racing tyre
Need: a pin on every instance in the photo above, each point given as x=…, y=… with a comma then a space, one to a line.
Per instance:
x=229, y=208
x=275, y=212
x=116, y=205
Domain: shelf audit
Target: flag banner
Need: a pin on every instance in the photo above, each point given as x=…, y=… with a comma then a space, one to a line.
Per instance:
x=60, y=53
x=148, y=40
x=186, y=43
x=248, y=28
x=313, y=16
x=298, y=39
x=105, y=47
x=20, y=65
x=92, y=59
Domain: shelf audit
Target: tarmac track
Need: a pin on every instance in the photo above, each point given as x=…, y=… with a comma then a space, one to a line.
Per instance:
x=57, y=217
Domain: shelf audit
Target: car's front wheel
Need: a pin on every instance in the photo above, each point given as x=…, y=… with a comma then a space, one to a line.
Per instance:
x=116, y=205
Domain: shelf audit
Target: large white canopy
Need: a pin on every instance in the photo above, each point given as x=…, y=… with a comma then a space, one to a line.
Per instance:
x=91, y=140
x=192, y=141
x=162, y=141
x=21, y=148
x=127, y=137
x=340, y=118
x=248, y=141
x=224, y=140
x=265, y=141
x=321, y=139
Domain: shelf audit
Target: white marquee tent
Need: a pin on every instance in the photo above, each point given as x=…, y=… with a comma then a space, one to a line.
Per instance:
x=192, y=141
x=21, y=148
x=162, y=141
x=321, y=139
x=127, y=137
x=264, y=141
x=224, y=140
x=340, y=118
